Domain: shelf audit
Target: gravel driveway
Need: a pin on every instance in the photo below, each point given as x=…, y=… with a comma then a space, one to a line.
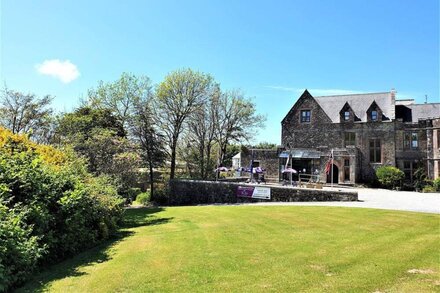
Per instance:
x=382, y=199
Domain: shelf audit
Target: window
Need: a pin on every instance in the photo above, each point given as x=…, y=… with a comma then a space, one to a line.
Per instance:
x=374, y=115
x=350, y=138
x=375, y=151
x=409, y=167
x=346, y=116
x=305, y=116
x=414, y=140
x=411, y=140
x=347, y=169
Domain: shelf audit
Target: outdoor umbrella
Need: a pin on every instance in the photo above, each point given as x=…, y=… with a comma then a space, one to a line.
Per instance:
x=290, y=170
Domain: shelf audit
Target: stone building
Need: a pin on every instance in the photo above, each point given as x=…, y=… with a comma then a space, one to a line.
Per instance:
x=363, y=131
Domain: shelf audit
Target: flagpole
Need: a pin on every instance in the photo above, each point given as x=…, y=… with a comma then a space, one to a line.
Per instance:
x=331, y=170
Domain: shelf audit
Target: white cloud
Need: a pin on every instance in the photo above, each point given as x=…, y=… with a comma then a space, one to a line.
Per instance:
x=314, y=92
x=65, y=70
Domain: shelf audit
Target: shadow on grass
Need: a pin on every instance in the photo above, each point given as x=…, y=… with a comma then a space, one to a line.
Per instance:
x=71, y=267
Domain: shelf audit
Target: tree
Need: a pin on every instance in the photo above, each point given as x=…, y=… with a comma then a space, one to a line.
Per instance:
x=201, y=132
x=121, y=96
x=26, y=113
x=181, y=94
x=266, y=145
x=236, y=120
x=97, y=135
x=150, y=141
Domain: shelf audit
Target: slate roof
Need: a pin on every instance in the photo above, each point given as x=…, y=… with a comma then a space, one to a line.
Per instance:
x=423, y=111
x=359, y=103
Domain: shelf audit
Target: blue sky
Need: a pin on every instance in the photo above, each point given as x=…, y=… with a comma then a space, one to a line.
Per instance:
x=272, y=50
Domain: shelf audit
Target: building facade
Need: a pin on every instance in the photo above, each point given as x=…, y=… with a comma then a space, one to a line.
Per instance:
x=363, y=132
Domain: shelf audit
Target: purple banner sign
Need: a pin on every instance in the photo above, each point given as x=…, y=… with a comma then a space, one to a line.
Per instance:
x=245, y=191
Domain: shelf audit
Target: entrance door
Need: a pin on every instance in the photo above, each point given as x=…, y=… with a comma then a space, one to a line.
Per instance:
x=335, y=175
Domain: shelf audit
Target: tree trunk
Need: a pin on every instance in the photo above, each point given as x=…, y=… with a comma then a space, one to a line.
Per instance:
x=173, y=159
x=202, y=162
x=151, y=179
x=208, y=160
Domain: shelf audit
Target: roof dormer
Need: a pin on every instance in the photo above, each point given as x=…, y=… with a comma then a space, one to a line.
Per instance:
x=347, y=114
x=374, y=113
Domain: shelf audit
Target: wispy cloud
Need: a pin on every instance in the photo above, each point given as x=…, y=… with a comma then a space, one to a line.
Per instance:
x=281, y=88
x=315, y=92
x=65, y=70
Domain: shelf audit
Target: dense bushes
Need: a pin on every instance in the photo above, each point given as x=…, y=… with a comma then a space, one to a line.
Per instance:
x=436, y=184
x=389, y=177
x=50, y=207
x=143, y=198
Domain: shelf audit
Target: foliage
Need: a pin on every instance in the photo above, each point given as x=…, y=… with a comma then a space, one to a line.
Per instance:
x=389, y=176
x=143, y=198
x=49, y=155
x=419, y=178
x=181, y=94
x=428, y=188
x=53, y=210
x=436, y=184
x=160, y=197
x=265, y=145
x=121, y=96
x=99, y=136
x=26, y=113
x=236, y=120
x=19, y=250
x=145, y=133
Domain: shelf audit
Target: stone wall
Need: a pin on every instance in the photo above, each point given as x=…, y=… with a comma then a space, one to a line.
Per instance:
x=190, y=192
x=267, y=158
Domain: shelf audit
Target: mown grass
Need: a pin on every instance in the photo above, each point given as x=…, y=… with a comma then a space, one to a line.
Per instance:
x=256, y=249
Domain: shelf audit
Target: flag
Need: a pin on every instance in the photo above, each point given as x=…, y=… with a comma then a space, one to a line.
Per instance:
x=328, y=165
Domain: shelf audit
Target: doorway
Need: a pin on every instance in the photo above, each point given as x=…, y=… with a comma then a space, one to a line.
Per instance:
x=335, y=175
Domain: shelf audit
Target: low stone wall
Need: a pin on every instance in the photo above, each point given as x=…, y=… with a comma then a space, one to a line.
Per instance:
x=190, y=192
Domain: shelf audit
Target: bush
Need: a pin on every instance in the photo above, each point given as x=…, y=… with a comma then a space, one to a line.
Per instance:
x=19, y=250
x=160, y=196
x=428, y=188
x=49, y=209
x=436, y=184
x=143, y=198
x=130, y=194
x=389, y=176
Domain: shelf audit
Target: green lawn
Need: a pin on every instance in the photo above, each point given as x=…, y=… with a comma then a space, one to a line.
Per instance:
x=264, y=248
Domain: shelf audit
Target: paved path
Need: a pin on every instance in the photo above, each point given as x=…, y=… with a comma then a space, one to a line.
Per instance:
x=381, y=199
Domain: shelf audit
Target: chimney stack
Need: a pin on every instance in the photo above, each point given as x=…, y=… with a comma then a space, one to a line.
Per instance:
x=393, y=94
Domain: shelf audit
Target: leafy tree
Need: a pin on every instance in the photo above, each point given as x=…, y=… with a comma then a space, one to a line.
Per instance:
x=26, y=113
x=151, y=142
x=266, y=145
x=200, y=137
x=121, y=96
x=236, y=120
x=100, y=137
x=181, y=94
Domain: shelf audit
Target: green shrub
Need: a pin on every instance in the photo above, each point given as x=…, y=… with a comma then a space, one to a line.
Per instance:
x=49, y=211
x=419, y=178
x=19, y=250
x=389, y=176
x=436, y=184
x=160, y=196
x=143, y=198
x=130, y=194
x=428, y=188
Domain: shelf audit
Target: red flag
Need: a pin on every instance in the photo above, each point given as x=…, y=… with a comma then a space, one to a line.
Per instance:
x=328, y=167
